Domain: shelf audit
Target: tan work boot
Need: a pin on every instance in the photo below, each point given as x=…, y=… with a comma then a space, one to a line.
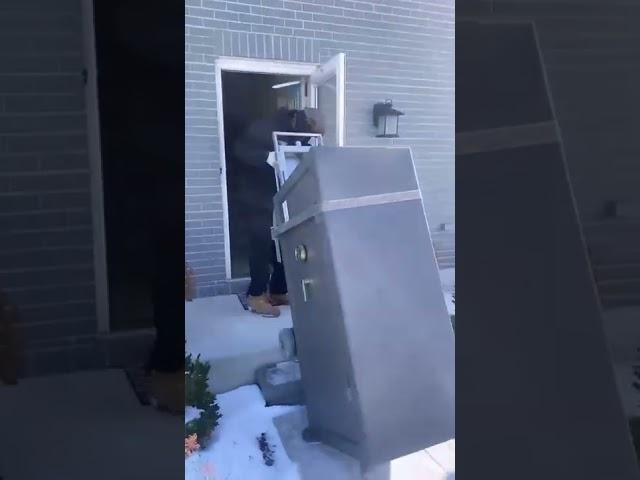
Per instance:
x=261, y=306
x=167, y=390
x=278, y=299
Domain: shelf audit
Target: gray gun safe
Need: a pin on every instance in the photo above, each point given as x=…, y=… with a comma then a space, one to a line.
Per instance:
x=374, y=339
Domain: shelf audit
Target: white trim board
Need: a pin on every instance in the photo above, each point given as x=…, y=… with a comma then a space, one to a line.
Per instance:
x=95, y=168
x=255, y=65
x=336, y=66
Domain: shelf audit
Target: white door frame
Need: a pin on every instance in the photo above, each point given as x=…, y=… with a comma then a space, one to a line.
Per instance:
x=336, y=66
x=95, y=168
x=246, y=65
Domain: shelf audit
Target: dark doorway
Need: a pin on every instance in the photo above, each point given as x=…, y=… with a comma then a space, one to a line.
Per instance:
x=135, y=60
x=247, y=97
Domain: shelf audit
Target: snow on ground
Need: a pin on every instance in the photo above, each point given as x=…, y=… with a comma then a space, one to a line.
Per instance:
x=451, y=306
x=284, y=372
x=448, y=281
x=233, y=452
x=191, y=413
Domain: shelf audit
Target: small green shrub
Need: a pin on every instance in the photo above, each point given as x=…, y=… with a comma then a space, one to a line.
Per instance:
x=198, y=395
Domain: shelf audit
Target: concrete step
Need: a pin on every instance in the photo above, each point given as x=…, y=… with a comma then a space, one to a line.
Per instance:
x=612, y=225
x=615, y=254
x=624, y=286
x=604, y=272
x=611, y=301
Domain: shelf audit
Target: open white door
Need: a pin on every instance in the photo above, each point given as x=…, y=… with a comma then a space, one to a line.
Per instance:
x=327, y=84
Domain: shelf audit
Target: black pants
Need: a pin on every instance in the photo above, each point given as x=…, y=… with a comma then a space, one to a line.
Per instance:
x=262, y=255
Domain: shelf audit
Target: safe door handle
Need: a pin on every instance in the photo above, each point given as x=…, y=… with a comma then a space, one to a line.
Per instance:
x=306, y=290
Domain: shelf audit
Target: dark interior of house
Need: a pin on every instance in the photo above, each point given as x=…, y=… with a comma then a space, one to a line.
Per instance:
x=247, y=97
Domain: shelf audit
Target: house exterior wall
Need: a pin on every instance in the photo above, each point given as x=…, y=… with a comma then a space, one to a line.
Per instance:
x=590, y=53
x=395, y=49
x=46, y=246
x=46, y=238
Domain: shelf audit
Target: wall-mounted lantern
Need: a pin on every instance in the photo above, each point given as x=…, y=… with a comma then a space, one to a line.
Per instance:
x=385, y=118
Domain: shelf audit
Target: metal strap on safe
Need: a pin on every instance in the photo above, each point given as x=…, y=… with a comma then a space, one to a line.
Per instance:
x=504, y=138
x=343, y=204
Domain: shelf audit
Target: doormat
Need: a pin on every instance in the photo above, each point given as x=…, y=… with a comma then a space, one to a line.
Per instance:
x=139, y=384
x=242, y=297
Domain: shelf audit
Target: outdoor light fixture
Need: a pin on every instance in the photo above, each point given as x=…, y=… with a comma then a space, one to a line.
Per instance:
x=385, y=118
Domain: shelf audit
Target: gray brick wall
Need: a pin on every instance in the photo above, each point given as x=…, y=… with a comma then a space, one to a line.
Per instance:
x=46, y=258
x=398, y=49
x=590, y=50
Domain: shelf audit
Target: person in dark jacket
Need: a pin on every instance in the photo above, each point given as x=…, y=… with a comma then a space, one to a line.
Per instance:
x=267, y=290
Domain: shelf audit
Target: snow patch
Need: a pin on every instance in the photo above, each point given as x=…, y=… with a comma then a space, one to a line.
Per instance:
x=284, y=372
x=191, y=413
x=234, y=453
x=448, y=281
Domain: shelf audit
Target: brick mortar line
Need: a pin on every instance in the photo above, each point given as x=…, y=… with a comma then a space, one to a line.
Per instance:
x=71, y=266
x=41, y=173
x=409, y=10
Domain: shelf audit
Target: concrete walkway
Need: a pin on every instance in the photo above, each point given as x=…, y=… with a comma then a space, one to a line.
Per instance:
x=234, y=341
x=86, y=425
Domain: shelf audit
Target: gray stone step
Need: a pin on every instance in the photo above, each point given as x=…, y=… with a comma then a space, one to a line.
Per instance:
x=609, y=301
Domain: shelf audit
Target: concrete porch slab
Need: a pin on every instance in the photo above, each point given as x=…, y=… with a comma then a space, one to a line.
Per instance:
x=234, y=341
x=85, y=425
x=237, y=342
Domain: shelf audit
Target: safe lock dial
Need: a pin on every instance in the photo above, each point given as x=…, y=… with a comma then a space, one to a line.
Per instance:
x=301, y=253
